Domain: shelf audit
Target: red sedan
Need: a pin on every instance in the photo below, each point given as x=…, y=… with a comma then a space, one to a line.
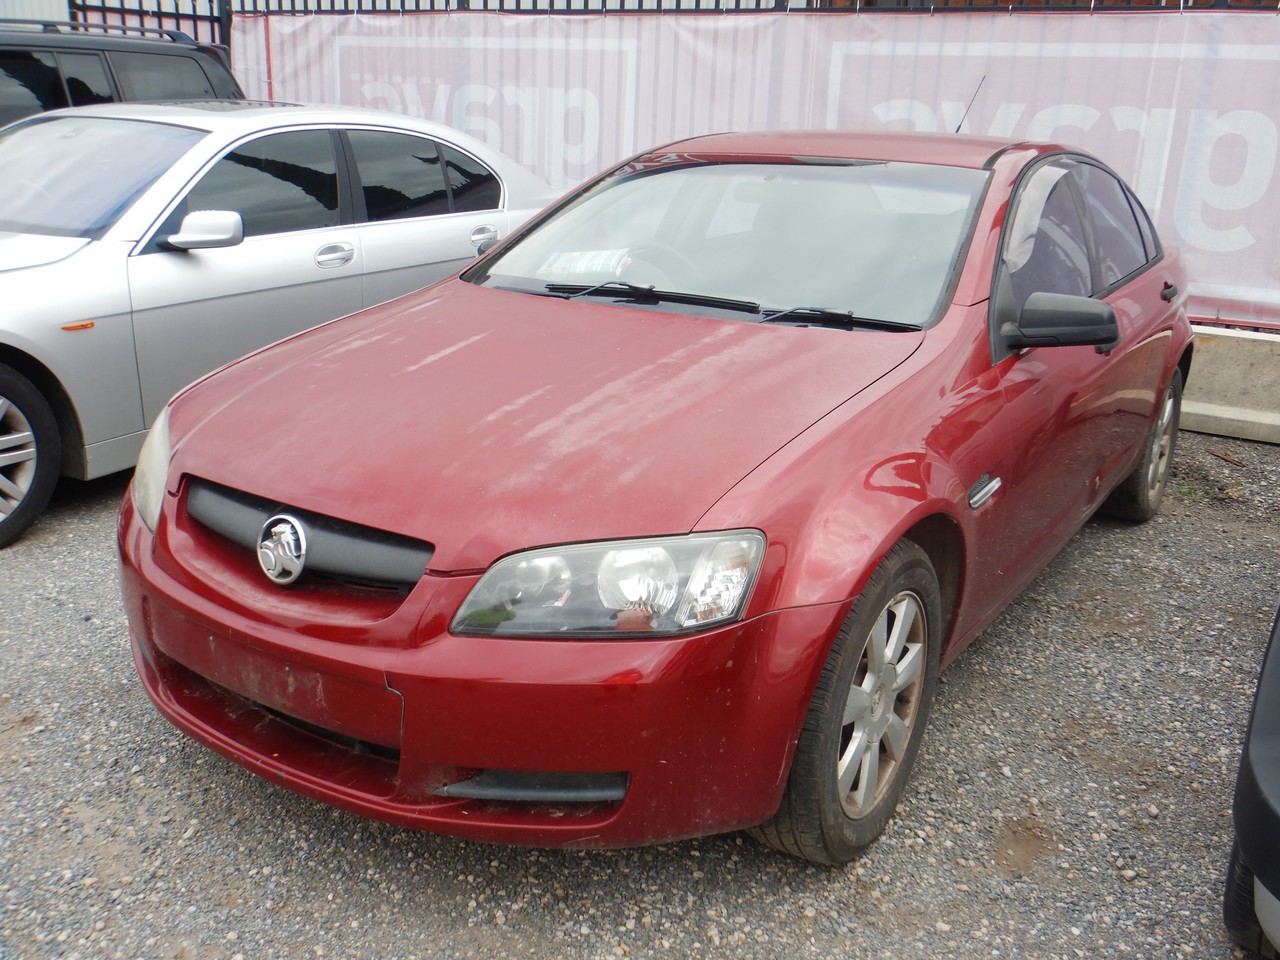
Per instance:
x=660, y=519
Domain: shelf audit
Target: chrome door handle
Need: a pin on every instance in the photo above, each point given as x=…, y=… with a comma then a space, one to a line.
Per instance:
x=335, y=255
x=481, y=234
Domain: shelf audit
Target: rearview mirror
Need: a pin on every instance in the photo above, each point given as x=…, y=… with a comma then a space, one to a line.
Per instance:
x=1062, y=320
x=204, y=229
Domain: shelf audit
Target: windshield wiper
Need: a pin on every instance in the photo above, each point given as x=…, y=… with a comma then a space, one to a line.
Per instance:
x=631, y=291
x=571, y=291
x=830, y=317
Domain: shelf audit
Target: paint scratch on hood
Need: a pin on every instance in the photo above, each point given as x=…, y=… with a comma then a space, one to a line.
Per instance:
x=439, y=355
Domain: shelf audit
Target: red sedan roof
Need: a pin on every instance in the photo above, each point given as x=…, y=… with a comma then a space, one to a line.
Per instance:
x=949, y=149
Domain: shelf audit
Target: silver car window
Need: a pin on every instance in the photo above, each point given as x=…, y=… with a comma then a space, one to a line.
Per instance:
x=278, y=184
x=75, y=176
x=400, y=175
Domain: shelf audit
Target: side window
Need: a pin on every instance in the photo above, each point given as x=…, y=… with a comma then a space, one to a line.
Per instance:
x=1116, y=236
x=277, y=183
x=156, y=76
x=1045, y=249
x=86, y=77
x=473, y=185
x=400, y=175
x=29, y=83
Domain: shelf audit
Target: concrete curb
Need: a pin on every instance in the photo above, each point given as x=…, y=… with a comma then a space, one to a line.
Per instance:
x=1234, y=389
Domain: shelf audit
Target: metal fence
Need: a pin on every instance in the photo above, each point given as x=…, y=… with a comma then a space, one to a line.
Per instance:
x=205, y=20
x=725, y=6
x=210, y=20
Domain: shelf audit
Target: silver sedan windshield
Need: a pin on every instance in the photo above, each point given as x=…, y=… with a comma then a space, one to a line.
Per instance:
x=74, y=176
x=878, y=240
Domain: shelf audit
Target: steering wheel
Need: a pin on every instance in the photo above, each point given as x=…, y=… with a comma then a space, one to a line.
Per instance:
x=675, y=268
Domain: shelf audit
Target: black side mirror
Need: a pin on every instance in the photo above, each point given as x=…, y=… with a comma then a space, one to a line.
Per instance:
x=1062, y=320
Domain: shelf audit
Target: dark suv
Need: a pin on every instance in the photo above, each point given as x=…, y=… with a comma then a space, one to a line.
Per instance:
x=46, y=65
x=1251, y=904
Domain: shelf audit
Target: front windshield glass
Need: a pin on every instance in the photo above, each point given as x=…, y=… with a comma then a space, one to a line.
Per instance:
x=75, y=176
x=878, y=240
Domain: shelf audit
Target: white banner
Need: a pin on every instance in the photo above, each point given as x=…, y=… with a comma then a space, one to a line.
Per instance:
x=1183, y=105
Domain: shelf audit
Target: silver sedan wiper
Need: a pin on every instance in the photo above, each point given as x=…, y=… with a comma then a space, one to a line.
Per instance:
x=830, y=317
x=632, y=291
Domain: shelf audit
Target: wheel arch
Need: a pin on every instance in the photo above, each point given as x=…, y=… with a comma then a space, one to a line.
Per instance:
x=941, y=538
x=44, y=380
x=1184, y=361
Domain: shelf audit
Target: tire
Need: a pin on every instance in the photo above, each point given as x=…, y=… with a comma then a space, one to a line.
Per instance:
x=1237, y=908
x=865, y=721
x=1139, y=494
x=30, y=454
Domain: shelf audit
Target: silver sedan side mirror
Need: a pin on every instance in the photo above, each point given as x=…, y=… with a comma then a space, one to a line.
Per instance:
x=204, y=229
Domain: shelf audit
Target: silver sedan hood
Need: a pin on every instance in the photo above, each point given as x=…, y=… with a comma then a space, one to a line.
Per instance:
x=20, y=250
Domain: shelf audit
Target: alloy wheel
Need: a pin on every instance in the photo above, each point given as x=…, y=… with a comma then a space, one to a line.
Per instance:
x=882, y=704
x=17, y=457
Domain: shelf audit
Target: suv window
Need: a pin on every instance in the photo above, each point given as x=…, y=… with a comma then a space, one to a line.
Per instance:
x=400, y=175
x=150, y=76
x=473, y=185
x=86, y=78
x=45, y=65
x=29, y=83
x=277, y=183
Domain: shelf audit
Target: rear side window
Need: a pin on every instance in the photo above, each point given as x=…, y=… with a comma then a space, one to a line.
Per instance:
x=278, y=183
x=473, y=185
x=401, y=176
x=154, y=76
x=29, y=83
x=86, y=77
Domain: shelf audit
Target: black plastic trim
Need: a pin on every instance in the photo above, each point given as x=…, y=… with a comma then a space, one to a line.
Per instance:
x=521, y=786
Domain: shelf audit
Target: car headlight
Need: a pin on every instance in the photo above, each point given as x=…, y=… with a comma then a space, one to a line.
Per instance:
x=152, y=470
x=664, y=586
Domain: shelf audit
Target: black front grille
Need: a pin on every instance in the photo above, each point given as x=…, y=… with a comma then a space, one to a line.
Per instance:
x=335, y=548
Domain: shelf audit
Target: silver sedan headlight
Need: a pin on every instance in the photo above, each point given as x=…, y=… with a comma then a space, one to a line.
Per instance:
x=663, y=587
x=152, y=471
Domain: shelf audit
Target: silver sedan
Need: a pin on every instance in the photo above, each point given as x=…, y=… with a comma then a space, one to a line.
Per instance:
x=142, y=246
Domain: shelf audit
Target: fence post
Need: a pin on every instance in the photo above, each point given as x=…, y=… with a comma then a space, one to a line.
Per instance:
x=224, y=23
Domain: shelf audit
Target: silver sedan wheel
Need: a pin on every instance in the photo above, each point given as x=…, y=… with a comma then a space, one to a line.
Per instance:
x=17, y=457
x=882, y=705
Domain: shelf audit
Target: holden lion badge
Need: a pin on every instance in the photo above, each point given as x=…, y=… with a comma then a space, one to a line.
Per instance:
x=282, y=548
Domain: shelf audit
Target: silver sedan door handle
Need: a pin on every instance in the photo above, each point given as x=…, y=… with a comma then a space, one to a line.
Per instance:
x=485, y=232
x=335, y=255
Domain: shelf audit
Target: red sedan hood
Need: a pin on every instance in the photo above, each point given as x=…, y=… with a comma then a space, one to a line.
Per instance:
x=485, y=421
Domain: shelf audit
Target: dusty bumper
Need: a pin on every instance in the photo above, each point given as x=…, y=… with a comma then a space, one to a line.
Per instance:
x=697, y=731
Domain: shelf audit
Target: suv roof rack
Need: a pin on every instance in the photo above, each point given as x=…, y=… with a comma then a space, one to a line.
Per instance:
x=71, y=26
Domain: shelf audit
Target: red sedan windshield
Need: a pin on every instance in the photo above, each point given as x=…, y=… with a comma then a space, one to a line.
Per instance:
x=879, y=240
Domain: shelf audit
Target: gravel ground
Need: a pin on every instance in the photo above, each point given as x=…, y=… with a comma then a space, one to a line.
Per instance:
x=1072, y=798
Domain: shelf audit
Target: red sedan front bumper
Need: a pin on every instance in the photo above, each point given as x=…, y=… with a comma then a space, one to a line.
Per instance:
x=380, y=710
